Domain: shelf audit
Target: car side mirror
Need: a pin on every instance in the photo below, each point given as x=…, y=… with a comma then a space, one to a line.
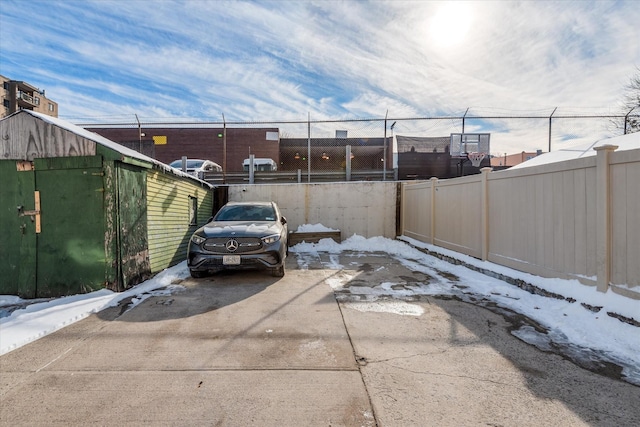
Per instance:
x=283, y=220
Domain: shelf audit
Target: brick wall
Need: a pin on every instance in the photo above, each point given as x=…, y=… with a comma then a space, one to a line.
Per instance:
x=201, y=143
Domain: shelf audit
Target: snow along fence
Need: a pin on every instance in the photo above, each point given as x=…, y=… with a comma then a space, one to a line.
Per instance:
x=577, y=219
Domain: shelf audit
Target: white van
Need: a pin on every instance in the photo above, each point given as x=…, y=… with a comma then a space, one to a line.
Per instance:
x=260, y=165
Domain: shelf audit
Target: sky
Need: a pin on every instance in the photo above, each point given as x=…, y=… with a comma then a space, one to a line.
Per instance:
x=109, y=61
x=583, y=334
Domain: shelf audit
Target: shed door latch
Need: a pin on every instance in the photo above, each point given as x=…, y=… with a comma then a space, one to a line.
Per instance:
x=35, y=213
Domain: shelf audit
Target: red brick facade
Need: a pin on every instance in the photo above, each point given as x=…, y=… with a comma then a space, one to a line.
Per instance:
x=171, y=144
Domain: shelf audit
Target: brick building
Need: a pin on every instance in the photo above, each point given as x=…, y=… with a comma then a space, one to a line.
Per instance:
x=169, y=144
x=508, y=160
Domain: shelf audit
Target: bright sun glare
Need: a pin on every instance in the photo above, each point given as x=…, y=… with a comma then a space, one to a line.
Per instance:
x=450, y=24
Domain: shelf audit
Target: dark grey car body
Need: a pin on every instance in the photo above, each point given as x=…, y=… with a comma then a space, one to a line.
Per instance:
x=241, y=235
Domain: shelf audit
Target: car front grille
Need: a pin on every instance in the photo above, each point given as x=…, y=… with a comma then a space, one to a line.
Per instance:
x=266, y=259
x=219, y=245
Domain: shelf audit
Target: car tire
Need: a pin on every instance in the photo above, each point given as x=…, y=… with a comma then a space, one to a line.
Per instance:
x=278, y=272
x=197, y=274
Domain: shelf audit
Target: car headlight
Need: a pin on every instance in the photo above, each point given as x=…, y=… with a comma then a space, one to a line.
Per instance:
x=198, y=240
x=271, y=239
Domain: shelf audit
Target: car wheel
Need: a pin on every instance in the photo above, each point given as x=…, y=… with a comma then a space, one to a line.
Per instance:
x=278, y=272
x=197, y=274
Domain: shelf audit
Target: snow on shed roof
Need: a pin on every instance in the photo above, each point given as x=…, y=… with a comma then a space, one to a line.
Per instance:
x=99, y=139
x=624, y=142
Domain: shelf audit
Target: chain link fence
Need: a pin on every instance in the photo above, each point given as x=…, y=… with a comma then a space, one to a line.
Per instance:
x=369, y=149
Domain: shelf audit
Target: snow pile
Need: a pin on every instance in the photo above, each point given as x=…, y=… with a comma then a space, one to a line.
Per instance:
x=36, y=320
x=313, y=228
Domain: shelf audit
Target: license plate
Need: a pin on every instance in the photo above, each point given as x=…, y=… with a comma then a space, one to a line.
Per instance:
x=231, y=259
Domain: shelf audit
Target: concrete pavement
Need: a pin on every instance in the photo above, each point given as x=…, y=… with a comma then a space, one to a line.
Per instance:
x=243, y=348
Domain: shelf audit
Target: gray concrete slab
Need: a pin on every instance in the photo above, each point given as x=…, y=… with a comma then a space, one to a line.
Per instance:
x=234, y=320
x=237, y=348
x=457, y=364
x=244, y=348
x=189, y=398
x=432, y=361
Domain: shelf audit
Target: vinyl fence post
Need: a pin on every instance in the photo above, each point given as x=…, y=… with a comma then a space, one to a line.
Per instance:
x=484, y=215
x=603, y=216
x=432, y=226
x=550, y=119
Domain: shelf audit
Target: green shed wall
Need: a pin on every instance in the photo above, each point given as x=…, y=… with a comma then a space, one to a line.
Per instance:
x=67, y=254
x=168, y=216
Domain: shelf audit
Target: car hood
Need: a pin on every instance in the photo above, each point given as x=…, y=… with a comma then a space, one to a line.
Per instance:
x=240, y=229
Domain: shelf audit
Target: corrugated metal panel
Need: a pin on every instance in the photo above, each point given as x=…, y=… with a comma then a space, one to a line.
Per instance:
x=168, y=217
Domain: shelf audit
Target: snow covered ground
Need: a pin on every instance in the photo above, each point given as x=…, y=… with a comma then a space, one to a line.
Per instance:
x=578, y=319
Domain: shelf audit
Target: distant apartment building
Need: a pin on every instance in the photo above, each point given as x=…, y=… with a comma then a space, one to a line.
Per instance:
x=18, y=95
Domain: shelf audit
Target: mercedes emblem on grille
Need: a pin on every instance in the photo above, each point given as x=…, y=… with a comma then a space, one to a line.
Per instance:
x=232, y=245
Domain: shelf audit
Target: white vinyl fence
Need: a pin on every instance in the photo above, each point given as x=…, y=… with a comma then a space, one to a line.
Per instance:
x=575, y=219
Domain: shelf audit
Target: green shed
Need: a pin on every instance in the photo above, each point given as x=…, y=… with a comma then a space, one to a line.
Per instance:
x=79, y=212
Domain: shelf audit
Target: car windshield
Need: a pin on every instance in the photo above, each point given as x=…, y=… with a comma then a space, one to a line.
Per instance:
x=191, y=164
x=194, y=164
x=246, y=213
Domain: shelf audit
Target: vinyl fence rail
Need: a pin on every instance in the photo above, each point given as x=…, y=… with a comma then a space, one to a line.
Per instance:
x=577, y=219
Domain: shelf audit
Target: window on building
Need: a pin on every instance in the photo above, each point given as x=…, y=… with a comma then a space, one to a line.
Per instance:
x=51, y=107
x=193, y=210
x=36, y=100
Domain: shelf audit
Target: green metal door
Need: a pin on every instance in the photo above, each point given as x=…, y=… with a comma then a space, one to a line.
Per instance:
x=132, y=252
x=17, y=229
x=70, y=246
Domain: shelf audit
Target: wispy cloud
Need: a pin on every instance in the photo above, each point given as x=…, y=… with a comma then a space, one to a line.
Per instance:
x=331, y=59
